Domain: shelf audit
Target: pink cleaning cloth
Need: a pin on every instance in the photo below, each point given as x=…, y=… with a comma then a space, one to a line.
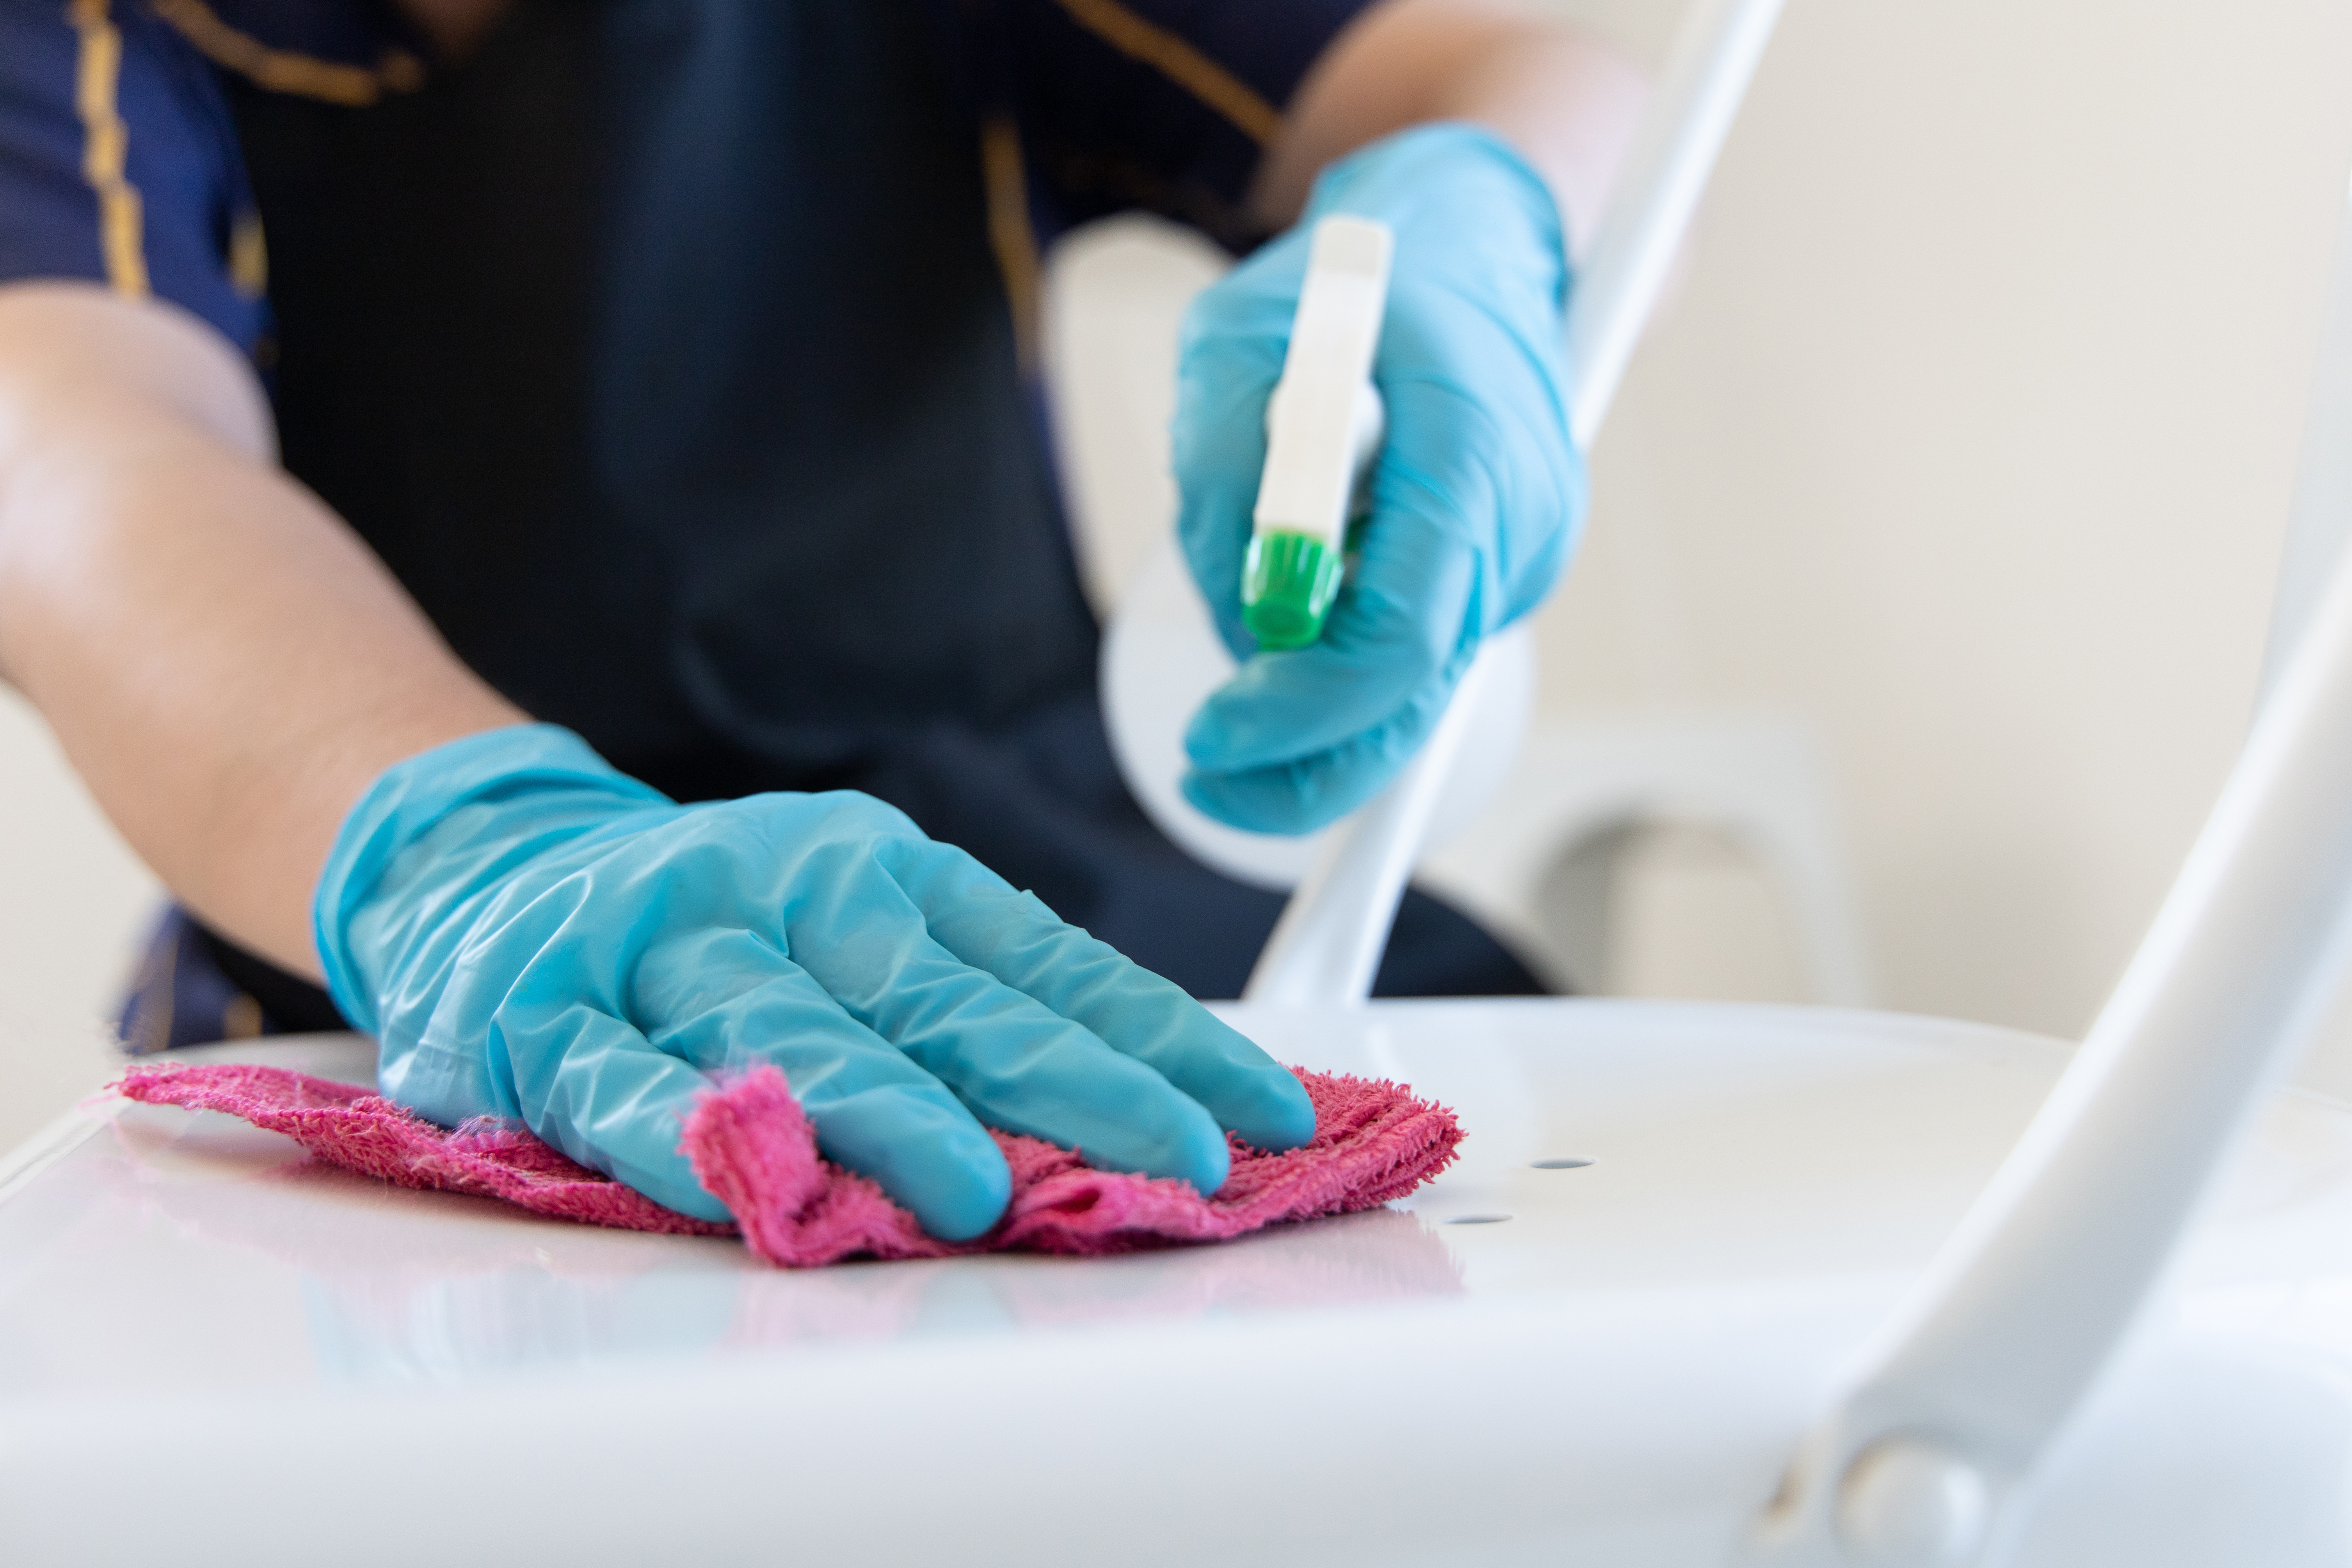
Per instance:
x=752, y=1148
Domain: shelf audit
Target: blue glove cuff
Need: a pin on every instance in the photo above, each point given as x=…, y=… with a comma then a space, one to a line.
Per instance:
x=413, y=797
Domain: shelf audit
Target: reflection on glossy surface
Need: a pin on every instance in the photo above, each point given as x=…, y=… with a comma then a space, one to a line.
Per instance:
x=1728, y=1145
x=492, y=1294
x=395, y=1286
x=1614, y=1373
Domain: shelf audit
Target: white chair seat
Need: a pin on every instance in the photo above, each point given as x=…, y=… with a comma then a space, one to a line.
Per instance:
x=212, y=1352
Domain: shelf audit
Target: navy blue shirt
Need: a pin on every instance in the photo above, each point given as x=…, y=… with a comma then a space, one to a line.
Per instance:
x=675, y=354
x=1101, y=105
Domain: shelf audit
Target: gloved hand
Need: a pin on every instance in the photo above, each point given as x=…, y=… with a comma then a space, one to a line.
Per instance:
x=532, y=934
x=1477, y=494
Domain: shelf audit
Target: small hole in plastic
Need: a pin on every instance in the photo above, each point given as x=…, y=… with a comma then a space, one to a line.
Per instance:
x=1565, y=1163
x=1478, y=1219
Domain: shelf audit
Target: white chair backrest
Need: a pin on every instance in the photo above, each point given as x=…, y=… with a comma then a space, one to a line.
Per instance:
x=1926, y=1456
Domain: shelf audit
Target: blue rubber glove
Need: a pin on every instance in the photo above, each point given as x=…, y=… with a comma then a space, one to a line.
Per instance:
x=1477, y=494
x=532, y=934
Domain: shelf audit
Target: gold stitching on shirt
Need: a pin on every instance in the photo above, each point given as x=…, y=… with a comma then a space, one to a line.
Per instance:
x=248, y=257
x=106, y=147
x=240, y=1018
x=1180, y=63
x=281, y=70
x=1009, y=231
x=151, y=1017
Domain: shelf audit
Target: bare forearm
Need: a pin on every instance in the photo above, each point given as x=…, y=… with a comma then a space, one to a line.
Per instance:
x=1568, y=104
x=225, y=664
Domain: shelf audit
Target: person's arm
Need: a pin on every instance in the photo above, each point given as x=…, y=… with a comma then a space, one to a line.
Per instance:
x=528, y=932
x=1566, y=103
x=226, y=665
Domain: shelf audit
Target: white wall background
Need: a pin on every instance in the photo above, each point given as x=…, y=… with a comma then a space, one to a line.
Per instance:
x=1967, y=439
x=74, y=902
x=1971, y=440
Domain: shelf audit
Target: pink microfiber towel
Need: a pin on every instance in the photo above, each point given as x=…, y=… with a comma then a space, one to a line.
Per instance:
x=754, y=1151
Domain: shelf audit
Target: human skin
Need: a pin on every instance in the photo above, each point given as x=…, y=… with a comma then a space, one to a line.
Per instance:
x=226, y=664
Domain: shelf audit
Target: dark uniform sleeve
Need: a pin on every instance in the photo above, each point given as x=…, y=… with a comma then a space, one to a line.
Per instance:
x=119, y=163
x=1162, y=104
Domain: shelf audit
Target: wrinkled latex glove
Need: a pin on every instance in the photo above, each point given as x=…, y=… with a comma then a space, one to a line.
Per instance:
x=1477, y=494
x=533, y=935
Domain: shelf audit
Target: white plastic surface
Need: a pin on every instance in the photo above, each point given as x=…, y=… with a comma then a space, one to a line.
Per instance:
x=1326, y=945
x=213, y=1352
x=1323, y=419
x=2033, y=1297
x=1910, y=1503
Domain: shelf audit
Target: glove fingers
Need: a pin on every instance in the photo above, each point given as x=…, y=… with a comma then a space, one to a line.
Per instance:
x=596, y=1088
x=1312, y=791
x=728, y=998
x=982, y=921
x=1015, y=1062
x=1403, y=621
